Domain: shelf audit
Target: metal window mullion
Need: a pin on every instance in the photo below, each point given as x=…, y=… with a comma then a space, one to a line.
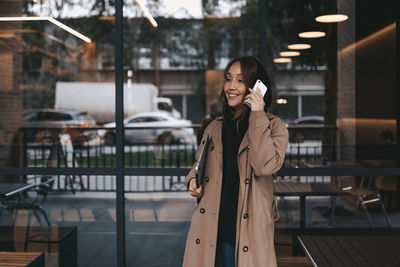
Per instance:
x=263, y=41
x=299, y=106
x=119, y=118
x=398, y=98
x=184, y=107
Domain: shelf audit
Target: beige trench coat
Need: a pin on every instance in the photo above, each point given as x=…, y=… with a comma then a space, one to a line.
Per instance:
x=260, y=156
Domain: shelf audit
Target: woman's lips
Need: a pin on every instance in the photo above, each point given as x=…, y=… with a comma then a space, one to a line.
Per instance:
x=233, y=95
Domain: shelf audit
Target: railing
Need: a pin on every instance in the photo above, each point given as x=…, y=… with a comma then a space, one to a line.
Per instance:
x=309, y=153
x=136, y=156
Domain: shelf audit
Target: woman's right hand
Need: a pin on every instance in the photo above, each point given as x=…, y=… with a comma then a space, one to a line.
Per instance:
x=194, y=191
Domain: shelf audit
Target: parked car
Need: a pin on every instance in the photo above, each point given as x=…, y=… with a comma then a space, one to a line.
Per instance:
x=42, y=119
x=153, y=128
x=308, y=120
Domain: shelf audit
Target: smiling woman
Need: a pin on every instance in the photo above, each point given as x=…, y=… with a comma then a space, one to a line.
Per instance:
x=247, y=146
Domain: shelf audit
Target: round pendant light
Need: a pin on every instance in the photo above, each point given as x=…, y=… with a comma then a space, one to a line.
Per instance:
x=312, y=34
x=282, y=60
x=299, y=46
x=332, y=18
x=289, y=54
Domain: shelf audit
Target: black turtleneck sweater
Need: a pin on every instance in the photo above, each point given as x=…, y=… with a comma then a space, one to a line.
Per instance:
x=231, y=140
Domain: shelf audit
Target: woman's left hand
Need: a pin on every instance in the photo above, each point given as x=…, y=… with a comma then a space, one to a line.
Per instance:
x=254, y=100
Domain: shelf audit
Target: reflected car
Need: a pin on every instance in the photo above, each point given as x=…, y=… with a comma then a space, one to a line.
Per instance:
x=48, y=118
x=308, y=120
x=153, y=128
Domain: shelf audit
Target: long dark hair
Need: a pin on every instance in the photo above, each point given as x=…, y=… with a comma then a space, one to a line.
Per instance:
x=251, y=71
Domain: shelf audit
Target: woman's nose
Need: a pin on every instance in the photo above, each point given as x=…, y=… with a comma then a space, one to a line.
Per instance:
x=233, y=85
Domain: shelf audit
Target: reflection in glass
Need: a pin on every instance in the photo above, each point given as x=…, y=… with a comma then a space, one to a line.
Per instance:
x=42, y=44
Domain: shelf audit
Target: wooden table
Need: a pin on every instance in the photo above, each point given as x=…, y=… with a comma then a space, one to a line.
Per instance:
x=303, y=190
x=352, y=250
x=26, y=259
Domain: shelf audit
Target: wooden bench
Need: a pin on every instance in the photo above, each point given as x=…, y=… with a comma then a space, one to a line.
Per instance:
x=26, y=259
x=293, y=262
x=59, y=240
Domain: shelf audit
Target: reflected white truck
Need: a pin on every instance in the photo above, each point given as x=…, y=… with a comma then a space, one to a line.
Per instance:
x=98, y=99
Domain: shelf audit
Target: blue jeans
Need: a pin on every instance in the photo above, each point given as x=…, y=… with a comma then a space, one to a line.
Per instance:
x=225, y=256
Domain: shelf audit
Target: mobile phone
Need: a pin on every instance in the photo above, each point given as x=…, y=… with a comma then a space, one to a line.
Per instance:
x=259, y=84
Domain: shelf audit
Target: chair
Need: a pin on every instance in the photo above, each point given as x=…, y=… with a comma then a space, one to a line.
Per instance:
x=387, y=187
x=35, y=203
x=362, y=193
x=285, y=205
x=25, y=201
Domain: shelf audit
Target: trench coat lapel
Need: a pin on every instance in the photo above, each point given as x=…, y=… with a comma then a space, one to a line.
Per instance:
x=244, y=144
x=216, y=136
x=243, y=147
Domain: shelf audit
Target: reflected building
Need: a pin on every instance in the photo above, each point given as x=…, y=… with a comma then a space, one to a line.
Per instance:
x=185, y=59
x=11, y=93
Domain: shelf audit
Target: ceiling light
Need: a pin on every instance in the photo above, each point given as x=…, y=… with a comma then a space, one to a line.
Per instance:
x=332, y=18
x=289, y=54
x=299, y=46
x=55, y=22
x=313, y=34
x=70, y=30
x=147, y=13
x=282, y=60
x=281, y=101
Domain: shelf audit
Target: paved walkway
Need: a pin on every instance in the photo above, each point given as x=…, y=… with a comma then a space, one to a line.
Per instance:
x=157, y=224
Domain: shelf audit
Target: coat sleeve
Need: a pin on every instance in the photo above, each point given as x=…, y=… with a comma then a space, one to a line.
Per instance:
x=268, y=143
x=192, y=174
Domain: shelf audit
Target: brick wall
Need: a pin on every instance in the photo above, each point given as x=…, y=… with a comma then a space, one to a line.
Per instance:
x=10, y=93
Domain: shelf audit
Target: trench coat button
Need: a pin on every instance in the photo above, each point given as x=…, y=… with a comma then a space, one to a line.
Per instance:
x=248, y=147
x=247, y=181
x=197, y=241
x=202, y=210
x=246, y=216
x=245, y=248
x=207, y=179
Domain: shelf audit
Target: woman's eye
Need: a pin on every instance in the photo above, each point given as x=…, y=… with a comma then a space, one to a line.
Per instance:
x=241, y=81
x=227, y=79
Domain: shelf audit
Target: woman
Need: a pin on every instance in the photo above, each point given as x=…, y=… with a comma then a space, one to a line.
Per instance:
x=233, y=225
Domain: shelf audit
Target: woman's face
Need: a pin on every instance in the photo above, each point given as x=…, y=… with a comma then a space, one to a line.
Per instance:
x=234, y=86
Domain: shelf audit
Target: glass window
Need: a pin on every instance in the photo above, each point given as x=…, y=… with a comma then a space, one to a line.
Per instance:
x=164, y=107
x=137, y=120
x=288, y=110
x=313, y=105
x=50, y=54
x=153, y=119
x=53, y=116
